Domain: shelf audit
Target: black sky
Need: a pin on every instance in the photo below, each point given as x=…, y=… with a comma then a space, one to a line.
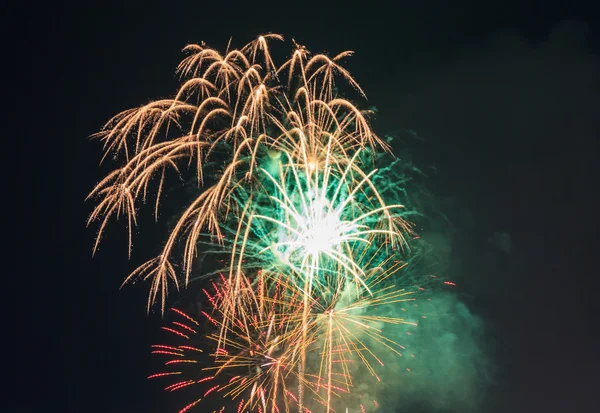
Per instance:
x=504, y=94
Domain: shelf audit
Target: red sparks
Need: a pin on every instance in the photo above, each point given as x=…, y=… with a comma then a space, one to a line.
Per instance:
x=205, y=379
x=170, y=330
x=209, y=391
x=164, y=347
x=153, y=376
x=210, y=298
x=324, y=404
x=217, y=291
x=179, y=385
x=189, y=406
x=191, y=330
x=191, y=348
x=180, y=361
x=184, y=315
x=171, y=353
x=212, y=320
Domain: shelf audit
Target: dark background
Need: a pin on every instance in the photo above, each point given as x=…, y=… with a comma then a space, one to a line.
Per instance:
x=504, y=96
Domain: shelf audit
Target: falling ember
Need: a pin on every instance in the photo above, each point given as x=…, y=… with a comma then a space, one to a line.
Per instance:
x=205, y=379
x=153, y=376
x=209, y=391
x=184, y=315
x=175, y=332
x=189, y=406
x=180, y=361
x=191, y=330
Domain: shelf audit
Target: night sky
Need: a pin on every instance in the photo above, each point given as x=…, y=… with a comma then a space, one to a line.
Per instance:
x=502, y=97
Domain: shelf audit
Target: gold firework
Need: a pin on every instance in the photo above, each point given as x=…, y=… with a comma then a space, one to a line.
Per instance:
x=233, y=104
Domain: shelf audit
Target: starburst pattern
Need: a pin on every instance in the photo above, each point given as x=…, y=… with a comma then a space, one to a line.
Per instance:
x=287, y=196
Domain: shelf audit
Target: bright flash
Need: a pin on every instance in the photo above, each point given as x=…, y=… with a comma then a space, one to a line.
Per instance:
x=321, y=229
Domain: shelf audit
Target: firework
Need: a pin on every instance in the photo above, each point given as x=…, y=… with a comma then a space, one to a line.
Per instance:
x=288, y=197
x=232, y=109
x=252, y=366
x=255, y=366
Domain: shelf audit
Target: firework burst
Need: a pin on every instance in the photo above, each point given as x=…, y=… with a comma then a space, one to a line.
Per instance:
x=252, y=365
x=288, y=196
x=255, y=365
x=232, y=109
